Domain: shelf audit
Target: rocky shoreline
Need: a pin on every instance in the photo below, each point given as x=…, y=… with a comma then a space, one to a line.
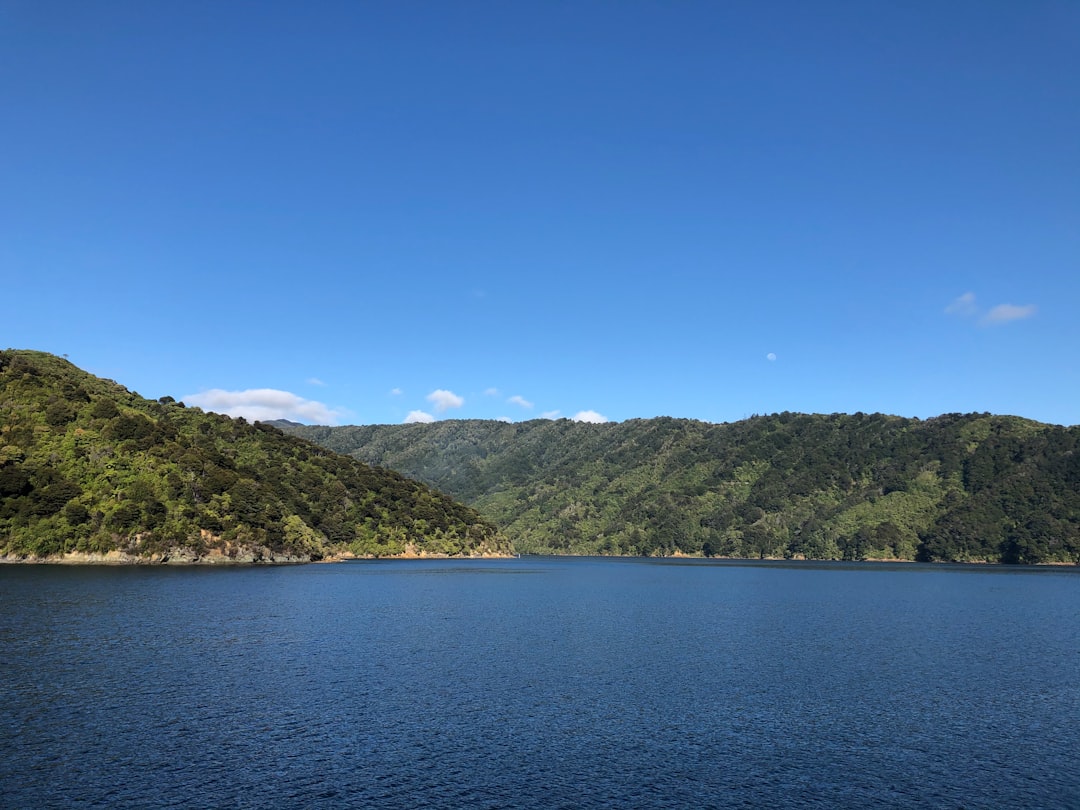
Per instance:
x=187, y=556
x=176, y=556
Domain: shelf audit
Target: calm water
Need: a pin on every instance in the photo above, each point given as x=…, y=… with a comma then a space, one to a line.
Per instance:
x=540, y=683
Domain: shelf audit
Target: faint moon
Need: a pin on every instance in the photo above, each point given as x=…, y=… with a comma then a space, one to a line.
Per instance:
x=770, y=357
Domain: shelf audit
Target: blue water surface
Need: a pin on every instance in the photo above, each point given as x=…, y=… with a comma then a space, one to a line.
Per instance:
x=540, y=683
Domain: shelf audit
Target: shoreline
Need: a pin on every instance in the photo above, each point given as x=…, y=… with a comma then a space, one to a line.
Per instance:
x=178, y=557
x=263, y=556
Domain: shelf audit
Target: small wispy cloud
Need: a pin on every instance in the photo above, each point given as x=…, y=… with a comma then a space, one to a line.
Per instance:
x=966, y=306
x=418, y=417
x=503, y=419
x=396, y=392
x=771, y=357
x=590, y=416
x=1005, y=313
x=550, y=415
x=316, y=381
x=491, y=392
x=517, y=399
x=963, y=305
x=265, y=404
x=444, y=400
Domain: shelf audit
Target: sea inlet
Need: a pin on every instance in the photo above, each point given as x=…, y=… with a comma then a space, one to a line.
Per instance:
x=540, y=683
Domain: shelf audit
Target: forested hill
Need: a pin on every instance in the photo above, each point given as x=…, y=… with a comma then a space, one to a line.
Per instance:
x=970, y=487
x=88, y=466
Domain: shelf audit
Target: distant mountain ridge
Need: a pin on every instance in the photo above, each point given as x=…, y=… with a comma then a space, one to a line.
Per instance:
x=958, y=487
x=90, y=469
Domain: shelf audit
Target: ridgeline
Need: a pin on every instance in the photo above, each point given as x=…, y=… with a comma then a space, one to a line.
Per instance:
x=966, y=488
x=91, y=470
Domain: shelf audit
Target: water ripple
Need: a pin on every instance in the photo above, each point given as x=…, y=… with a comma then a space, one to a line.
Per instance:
x=600, y=684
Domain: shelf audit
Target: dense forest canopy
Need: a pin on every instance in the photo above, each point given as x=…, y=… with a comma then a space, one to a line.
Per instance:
x=88, y=466
x=972, y=487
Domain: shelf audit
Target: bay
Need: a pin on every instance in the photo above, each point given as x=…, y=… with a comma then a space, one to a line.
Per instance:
x=540, y=682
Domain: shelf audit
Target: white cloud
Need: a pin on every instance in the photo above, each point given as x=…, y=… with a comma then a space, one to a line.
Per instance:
x=1004, y=313
x=491, y=392
x=550, y=415
x=444, y=400
x=416, y=417
x=396, y=392
x=771, y=357
x=995, y=316
x=503, y=419
x=265, y=404
x=964, y=305
x=590, y=416
x=315, y=381
x=517, y=399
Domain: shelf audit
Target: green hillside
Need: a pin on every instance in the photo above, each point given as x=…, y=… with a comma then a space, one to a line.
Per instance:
x=957, y=487
x=88, y=466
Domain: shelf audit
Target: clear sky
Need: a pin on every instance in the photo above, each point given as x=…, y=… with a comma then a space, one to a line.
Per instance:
x=368, y=212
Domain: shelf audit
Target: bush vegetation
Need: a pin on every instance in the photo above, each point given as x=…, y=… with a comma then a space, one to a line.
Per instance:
x=86, y=465
x=958, y=487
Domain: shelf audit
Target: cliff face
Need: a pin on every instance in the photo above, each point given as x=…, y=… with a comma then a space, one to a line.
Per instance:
x=90, y=470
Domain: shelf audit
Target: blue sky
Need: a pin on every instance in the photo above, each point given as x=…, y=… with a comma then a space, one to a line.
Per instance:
x=368, y=212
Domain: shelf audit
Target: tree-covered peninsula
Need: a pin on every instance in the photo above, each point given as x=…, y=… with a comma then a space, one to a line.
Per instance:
x=87, y=466
x=956, y=487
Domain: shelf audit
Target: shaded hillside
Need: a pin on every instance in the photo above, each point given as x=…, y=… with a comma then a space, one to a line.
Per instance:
x=86, y=465
x=956, y=487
